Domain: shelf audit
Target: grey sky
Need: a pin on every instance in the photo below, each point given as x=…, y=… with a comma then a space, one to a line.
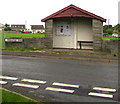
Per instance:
x=32, y=11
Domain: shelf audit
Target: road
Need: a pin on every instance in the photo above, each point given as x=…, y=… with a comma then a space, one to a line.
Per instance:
x=74, y=72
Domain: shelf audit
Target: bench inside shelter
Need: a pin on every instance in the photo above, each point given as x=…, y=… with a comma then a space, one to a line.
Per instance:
x=85, y=43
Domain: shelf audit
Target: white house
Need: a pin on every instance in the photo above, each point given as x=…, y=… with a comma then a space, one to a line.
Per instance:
x=37, y=29
x=1, y=27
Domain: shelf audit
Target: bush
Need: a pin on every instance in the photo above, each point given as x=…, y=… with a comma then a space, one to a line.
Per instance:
x=7, y=29
x=118, y=33
x=109, y=31
x=19, y=30
x=105, y=34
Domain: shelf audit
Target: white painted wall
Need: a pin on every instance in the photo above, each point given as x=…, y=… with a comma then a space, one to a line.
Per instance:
x=83, y=31
x=62, y=40
x=36, y=31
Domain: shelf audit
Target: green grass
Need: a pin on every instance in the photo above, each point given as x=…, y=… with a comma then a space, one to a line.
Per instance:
x=108, y=38
x=1, y=41
x=8, y=96
x=23, y=49
x=23, y=35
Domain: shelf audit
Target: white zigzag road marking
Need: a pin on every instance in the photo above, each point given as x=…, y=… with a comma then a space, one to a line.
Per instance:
x=26, y=85
x=59, y=90
x=65, y=85
x=100, y=95
x=105, y=89
x=9, y=78
x=33, y=81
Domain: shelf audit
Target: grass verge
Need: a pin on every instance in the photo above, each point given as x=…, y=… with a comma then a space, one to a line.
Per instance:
x=22, y=49
x=108, y=38
x=9, y=96
x=58, y=52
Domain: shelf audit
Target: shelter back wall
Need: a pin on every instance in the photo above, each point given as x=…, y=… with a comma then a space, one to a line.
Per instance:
x=81, y=30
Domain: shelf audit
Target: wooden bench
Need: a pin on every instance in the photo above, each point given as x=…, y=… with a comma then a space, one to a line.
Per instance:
x=80, y=43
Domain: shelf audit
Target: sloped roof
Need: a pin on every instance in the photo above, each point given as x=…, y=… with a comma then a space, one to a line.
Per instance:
x=37, y=27
x=17, y=26
x=73, y=11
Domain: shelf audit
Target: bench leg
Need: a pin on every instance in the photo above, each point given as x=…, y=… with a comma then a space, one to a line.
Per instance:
x=80, y=45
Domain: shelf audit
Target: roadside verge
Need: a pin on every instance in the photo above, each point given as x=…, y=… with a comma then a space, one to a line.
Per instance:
x=62, y=55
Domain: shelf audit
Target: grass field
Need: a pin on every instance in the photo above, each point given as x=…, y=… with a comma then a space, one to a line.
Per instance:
x=29, y=35
x=1, y=41
x=8, y=96
x=108, y=38
x=23, y=35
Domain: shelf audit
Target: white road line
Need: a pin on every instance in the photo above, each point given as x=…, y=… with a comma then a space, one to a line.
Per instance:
x=104, y=89
x=65, y=85
x=25, y=85
x=33, y=81
x=9, y=78
x=100, y=95
x=3, y=82
x=60, y=90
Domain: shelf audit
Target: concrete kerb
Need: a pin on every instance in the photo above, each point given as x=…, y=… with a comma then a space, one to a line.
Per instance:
x=61, y=56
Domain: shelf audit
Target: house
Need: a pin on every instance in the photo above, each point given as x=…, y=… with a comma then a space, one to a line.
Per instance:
x=37, y=29
x=18, y=27
x=72, y=26
x=1, y=27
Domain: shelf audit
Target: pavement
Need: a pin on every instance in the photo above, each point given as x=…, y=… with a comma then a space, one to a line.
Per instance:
x=86, y=55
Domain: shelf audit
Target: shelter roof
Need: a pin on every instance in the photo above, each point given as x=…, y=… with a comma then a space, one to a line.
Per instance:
x=72, y=11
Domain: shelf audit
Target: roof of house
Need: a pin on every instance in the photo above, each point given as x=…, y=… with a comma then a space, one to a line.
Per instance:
x=73, y=11
x=17, y=26
x=1, y=25
x=37, y=27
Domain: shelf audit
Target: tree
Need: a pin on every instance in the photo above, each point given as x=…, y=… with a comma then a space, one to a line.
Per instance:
x=105, y=27
x=117, y=27
x=109, y=31
x=7, y=28
x=6, y=25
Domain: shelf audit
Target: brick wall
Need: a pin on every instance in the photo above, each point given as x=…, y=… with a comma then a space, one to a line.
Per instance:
x=107, y=46
x=111, y=46
x=27, y=43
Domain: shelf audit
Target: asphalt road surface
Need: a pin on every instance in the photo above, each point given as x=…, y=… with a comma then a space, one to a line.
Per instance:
x=58, y=80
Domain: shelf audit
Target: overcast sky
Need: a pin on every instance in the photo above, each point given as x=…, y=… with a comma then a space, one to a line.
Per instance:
x=32, y=11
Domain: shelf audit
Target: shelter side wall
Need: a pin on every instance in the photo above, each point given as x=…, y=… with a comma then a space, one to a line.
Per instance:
x=49, y=31
x=97, y=31
x=63, y=40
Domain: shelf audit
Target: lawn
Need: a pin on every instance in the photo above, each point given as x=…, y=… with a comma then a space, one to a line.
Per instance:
x=8, y=96
x=1, y=41
x=23, y=35
x=108, y=38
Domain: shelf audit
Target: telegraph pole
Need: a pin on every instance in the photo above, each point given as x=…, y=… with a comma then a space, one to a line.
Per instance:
x=26, y=24
x=119, y=12
x=108, y=23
